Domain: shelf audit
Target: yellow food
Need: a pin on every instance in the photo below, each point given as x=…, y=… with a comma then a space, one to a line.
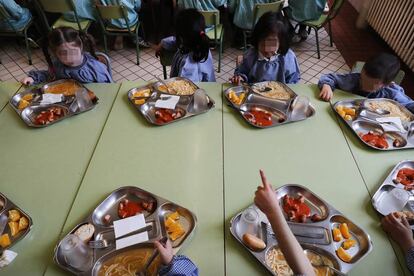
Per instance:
x=276, y=91
x=344, y=230
x=236, y=99
x=394, y=109
x=67, y=88
x=336, y=233
x=348, y=244
x=144, y=93
x=129, y=262
x=139, y=101
x=253, y=242
x=346, y=112
x=179, y=87
x=23, y=104
x=5, y=240
x=343, y=255
x=174, y=229
x=14, y=228
x=23, y=223
x=14, y=215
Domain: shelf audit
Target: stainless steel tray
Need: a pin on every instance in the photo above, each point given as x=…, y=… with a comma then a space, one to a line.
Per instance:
x=148, y=108
x=307, y=232
x=5, y=206
x=388, y=185
x=279, y=109
x=363, y=124
x=104, y=230
x=29, y=113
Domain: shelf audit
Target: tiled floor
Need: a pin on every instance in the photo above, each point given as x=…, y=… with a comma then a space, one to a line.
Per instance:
x=15, y=65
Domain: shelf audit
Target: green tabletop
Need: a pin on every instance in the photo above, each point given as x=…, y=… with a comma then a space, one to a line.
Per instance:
x=7, y=89
x=312, y=153
x=41, y=170
x=181, y=162
x=374, y=165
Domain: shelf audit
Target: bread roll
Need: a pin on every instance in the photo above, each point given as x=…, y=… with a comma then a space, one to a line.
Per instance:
x=85, y=232
x=253, y=242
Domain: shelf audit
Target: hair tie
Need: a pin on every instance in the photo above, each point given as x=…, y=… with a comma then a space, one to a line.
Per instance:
x=202, y=33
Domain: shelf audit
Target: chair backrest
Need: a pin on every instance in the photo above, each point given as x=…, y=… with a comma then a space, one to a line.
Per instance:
x=102, y=57
x=57, y=6
x=166, y=57
x=262, y=8
x=211, y=18
x=357, y=68
x=110, y=12
x=334, y=9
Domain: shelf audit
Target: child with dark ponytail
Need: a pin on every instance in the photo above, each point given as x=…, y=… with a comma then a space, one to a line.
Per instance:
x=192, y=59
x=70, y=61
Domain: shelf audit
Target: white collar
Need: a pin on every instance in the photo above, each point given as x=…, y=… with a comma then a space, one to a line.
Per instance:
x=272, y=58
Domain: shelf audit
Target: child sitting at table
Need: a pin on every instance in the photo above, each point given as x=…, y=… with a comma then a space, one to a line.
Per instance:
x=192, y=58
x=374, y=81
x=399, y=229
x=270, y=59
x=172, y=265
x=72, y=62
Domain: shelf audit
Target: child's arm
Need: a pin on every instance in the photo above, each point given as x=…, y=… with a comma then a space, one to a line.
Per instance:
x=328, y=83
x=266, y=200
x=35, y=77
x=400, y=231
x=396, y=93
x=243, y=69
x=174, y=265
x=292, y=72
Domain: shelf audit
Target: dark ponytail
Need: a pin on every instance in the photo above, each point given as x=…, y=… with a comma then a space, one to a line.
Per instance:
x=190, y=26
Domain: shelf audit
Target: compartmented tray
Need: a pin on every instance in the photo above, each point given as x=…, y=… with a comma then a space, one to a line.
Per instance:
x=315, y=237
x=145, y=97
x=364, y=124
x=269, y=99
x=392, y=196
x=29, y=107
x=104, y=228
x=7, y=205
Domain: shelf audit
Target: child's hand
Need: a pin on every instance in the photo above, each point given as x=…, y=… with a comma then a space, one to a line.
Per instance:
x=158, y=49
x=326, y=93
x=265, y=198
x=27, y=81
x=166, y=252
x=399, y=229
x=236, y=80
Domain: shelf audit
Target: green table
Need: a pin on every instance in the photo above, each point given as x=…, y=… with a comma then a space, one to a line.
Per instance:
x=181, y=162
x=41, y=171
x=7, y=89
x=374, y=165
x=312, y=153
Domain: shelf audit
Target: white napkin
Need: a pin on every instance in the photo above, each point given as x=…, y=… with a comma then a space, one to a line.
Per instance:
x=51, y=98
x=128, y=225
x=395, y=126
x=7, y=257
x=167, y=101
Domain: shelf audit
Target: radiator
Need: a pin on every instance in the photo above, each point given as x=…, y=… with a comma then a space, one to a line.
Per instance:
x=393, y=20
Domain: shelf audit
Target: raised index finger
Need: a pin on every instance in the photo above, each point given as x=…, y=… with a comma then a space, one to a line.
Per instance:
x=264, y=180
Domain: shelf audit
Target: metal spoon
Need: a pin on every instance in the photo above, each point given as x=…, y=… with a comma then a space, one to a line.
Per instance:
x=154, y=255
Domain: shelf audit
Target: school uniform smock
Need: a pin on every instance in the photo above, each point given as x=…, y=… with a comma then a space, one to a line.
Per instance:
x=91, y=70
x=85, y=9
x=205, y=5
x=179, y=266
x=132, y=7
x=243, y=12
x=303, y=10
x=19, y=16
x=256, y=68
x=184, y=66
x=351, y=83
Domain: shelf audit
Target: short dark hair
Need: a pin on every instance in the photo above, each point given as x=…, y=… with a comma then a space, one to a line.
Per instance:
x=190, y=26
x=272, y=23
x=383, y=66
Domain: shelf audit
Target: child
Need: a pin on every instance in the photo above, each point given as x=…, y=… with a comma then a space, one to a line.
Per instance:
x=270, y=59
x=192, y=59
x=374, y=81
x=400, y=231
x=19, y=16
x=265, y=199
x=174, y=265
x=68, y=45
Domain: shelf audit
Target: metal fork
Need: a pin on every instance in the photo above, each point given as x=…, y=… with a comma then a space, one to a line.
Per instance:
x=104, y=243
